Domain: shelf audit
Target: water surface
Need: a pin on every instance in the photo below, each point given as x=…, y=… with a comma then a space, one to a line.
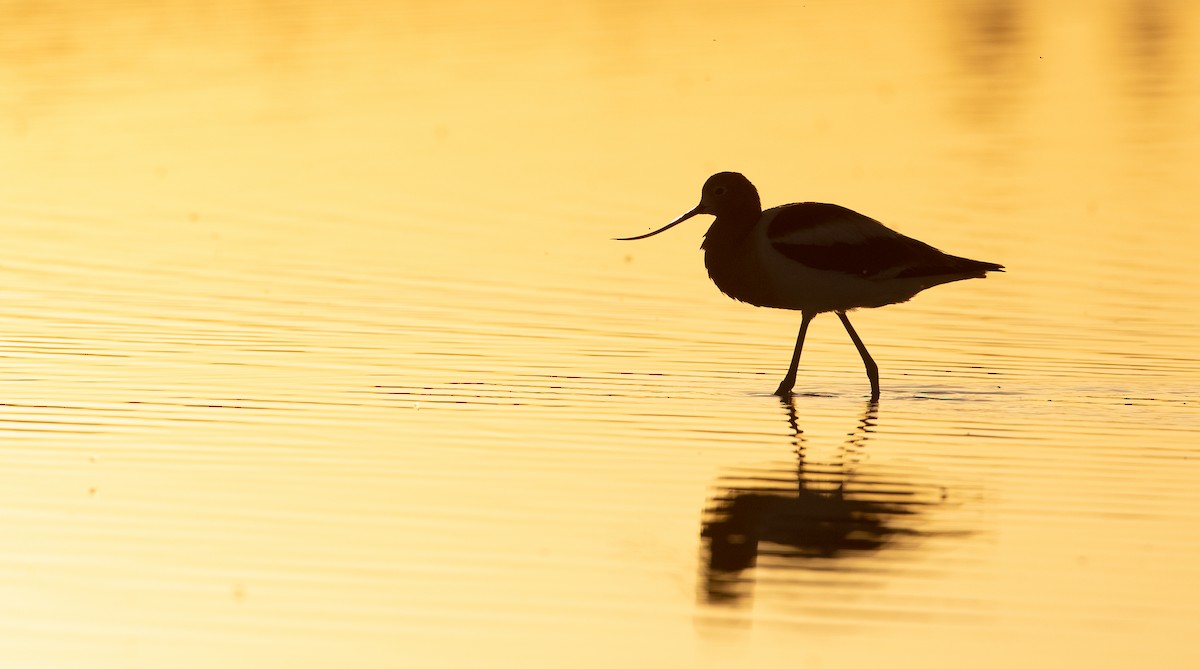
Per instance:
x=317, y=348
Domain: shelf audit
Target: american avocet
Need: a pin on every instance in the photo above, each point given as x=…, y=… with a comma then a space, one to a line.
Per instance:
x=813, y=258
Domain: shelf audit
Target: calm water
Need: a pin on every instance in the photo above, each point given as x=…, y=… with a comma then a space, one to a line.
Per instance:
x=317, y=350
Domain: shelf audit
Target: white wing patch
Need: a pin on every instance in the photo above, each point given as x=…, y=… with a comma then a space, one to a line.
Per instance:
x=817, y=224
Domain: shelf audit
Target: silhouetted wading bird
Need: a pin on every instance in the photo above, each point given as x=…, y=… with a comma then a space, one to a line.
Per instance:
x=813, y=258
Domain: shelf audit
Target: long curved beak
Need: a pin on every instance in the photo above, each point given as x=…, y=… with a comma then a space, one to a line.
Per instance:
x=698, y=210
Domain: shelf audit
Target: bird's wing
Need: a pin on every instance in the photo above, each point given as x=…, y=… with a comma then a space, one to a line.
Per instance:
x=832, y=238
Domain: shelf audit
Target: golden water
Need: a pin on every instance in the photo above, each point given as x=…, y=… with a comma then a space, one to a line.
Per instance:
x=317, y=351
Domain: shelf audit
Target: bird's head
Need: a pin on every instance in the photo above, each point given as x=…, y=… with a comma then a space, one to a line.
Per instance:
x=726, y=195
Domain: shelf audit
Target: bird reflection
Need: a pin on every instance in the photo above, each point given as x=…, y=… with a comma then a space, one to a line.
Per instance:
x=802, y=514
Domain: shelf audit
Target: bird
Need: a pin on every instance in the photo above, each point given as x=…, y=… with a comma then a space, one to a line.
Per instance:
x=814, y=258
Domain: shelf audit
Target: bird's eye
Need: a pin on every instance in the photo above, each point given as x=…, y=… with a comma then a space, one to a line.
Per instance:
x=719, y=190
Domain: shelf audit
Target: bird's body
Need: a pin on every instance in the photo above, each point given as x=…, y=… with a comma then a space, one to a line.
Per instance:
x=819, y=257
x=814, y=258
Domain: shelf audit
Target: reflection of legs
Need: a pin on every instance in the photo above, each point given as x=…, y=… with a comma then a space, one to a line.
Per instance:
x=789, y=405
x=851, y=453
x=785, y=386
x=872, y=368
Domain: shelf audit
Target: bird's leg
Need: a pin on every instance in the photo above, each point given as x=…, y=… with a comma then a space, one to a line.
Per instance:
x=785, y=386
x=872, y=368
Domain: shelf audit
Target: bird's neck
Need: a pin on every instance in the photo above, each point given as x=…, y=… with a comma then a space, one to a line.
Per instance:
x=729, y=231
x=732, y=262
